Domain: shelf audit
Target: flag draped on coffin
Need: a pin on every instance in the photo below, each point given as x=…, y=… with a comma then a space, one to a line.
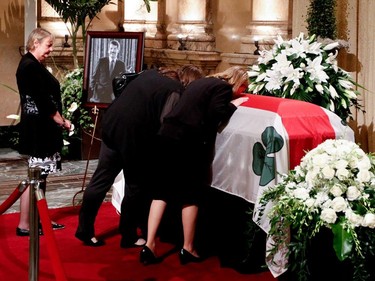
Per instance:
x=266, y=137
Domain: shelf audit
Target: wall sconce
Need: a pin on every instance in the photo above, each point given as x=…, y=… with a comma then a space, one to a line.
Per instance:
x=120, y=27
x=66, y=44
x=182, y=42
x=257, y=50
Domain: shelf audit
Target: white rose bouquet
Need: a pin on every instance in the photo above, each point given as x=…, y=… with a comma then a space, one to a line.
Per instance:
x=305, y=69
x=334, y=188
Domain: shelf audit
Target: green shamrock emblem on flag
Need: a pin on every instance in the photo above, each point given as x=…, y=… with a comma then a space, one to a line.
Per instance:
x=263, y=155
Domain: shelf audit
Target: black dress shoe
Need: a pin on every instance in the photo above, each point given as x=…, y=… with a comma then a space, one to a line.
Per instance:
x=147, y=257
x=92, y=242
x=26, y=232
x=138, y=243
x=186, y=257
x=57, y=226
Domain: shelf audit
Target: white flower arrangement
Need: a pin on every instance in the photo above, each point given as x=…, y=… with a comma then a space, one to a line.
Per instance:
x=333, y=187
x=305, y=69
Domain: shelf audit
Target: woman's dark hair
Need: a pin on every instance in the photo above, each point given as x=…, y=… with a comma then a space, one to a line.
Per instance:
x=188, y=73
x=173, y=74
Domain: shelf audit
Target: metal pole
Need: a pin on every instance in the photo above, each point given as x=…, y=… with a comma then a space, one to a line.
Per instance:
x=34, y=177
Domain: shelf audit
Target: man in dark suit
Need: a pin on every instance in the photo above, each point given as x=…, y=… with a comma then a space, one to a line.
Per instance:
x=106, y=69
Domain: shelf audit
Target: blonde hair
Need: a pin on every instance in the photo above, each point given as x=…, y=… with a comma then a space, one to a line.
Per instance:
x=37, y=34
x=235, y=76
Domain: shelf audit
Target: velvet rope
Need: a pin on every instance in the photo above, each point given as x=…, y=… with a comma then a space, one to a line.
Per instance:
x=51, y=240
x=13, y=197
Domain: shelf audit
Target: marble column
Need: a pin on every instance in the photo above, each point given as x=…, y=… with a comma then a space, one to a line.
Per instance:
x=137, y=18
x=267, y=20
x=193, y=27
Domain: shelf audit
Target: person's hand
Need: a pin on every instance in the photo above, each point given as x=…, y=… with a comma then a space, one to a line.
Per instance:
x=237, y=102
x=67, y=125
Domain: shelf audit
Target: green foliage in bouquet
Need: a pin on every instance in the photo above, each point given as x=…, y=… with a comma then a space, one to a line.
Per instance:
x=333, y=188
x=73, y=110
x=305, y=69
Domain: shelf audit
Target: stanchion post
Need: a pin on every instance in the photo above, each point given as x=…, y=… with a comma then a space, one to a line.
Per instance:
x=34, y=178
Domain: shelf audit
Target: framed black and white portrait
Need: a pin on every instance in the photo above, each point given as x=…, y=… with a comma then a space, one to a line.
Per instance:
x=109, y=55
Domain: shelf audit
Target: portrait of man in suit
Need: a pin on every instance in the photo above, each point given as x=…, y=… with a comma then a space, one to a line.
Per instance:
x=106, y=69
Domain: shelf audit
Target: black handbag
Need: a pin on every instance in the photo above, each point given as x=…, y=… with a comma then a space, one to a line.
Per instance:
x=119, y=83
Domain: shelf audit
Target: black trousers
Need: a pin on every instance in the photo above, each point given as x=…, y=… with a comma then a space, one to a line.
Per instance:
x=109, y=165
x=134, y=214
x=134, y=208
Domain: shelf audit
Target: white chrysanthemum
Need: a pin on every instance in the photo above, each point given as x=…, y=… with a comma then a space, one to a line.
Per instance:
x=364, y=176
x=342, y=174
x=301, y=193
x=364, y=163
x=353, y=193
x=328, y=173
x=369, y=220
x=341, y=164
x=320, y=198
x=353, y=218
x=310, y=202
x=339, y=204
x=337, y=190
x=328, y=215
x=320, y=160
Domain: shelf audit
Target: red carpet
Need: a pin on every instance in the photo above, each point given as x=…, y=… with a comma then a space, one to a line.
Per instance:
x=109, y=262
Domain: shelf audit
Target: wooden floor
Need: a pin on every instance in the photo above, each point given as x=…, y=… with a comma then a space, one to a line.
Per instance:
x=63, y=188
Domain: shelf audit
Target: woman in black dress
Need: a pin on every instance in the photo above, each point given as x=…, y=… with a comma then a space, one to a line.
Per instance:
x=41, y=122
x=187, y=140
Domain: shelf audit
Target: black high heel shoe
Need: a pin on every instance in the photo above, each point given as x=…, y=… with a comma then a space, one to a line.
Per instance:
x=147, y=257
x=26, y=232
x=186, y=257
x=57, y=226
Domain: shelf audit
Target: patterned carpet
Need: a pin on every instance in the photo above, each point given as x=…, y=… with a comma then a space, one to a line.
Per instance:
x=62, y=187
